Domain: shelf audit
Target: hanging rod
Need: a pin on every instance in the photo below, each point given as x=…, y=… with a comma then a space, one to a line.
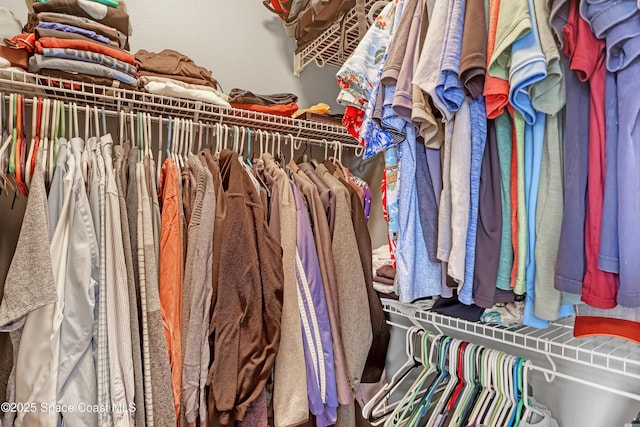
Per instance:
x=116, y=99
x=274, y=137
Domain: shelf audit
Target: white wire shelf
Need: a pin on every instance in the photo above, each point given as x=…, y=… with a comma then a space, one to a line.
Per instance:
x=614, y=355
x=117, y=99
x=325, y=49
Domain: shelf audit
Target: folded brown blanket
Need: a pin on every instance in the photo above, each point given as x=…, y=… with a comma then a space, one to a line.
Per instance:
x=242, y=96
x=189, y=80
x=384, y=280
x=170, y=63
x=387, y=271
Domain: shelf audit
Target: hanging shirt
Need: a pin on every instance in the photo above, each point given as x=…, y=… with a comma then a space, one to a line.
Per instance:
x=97, y=203
x=599, y=288
x=478, y=141
x=416, y=276
x=390, y=189
x=570, y=264
x=171, y=272
x=122, y=381
x=322, y=239
x=249, y=255
x=27, y=307
x=197, y=278
x=290, y=376
x=316, y=331
x=496, y=85
x=77, y=380
x=449, y=92
x=427, y=72
x=503, y=139
x=374, y=135
x=628, y=293
x=489, y=233
x=360, y=73
x=549, y=96
x=121, y=153
x=460, y=171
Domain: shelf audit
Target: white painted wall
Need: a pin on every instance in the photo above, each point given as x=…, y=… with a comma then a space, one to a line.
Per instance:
x=239, y=40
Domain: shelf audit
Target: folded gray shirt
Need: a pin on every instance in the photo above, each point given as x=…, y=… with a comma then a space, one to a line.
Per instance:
x=39, y=62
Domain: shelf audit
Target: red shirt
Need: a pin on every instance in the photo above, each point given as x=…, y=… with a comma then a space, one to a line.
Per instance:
x=586, y=57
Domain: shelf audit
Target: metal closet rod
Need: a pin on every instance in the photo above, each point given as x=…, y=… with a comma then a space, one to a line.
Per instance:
x=119, y=98
x=276, y=136
x=551, y=373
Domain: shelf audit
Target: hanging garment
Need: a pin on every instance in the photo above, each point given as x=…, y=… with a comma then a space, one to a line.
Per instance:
x=379, y=328
x=96, y=195
x=163, y=411
x=416, y=275
x=488, y=240
x=239, y=321
x=621, y=56
x=459, y=183
x=29, y=293
x=354, y=312
x=316, y=336
x=322, y=237
x=121, y=153
x=327, y=195
x=291, y=405
x=503, y=139
x=122, y=381
x=171, y=268
x=77, y=381
x=198, y=281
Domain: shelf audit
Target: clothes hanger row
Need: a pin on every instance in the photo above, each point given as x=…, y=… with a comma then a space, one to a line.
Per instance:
x=53, y=119
x=459, y=384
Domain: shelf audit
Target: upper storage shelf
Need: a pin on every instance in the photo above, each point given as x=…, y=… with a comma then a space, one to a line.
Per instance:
x=326, y=48
x=116, y=99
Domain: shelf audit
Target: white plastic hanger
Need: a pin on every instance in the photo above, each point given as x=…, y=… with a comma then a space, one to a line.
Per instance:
x=6, y=183
x=379, y=400
x=201, y=135
x=53, y=142
x=181, y=135
x=96, y=120
x=452, y=382
x=292, y=146
x=132, y=134
x=34, y=131
x=192, y=138
x=218, y=138
x=159, y=164
x=174, y=141
x=528, y=409
x=405, y=405
x=121, y=133
x=144, y=133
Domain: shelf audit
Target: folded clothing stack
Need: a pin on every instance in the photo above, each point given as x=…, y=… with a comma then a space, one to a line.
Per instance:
x=280, y=104
x=171, y=73
x=83, y=40
x=307, y=19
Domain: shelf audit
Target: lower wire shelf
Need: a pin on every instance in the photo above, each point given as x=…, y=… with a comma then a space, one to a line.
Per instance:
x=556, y=342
